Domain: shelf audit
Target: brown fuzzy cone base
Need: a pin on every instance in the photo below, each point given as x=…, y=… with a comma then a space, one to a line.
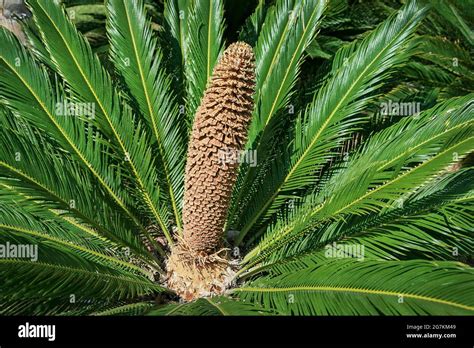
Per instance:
x=197, y=267
x=193, y=276
x=220, y=128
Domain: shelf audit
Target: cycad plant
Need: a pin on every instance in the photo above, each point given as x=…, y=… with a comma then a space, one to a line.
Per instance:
x=192, y=176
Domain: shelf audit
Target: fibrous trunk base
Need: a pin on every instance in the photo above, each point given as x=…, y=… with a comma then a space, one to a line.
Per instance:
x=193, y=275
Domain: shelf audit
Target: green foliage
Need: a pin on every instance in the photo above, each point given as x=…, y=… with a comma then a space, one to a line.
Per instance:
x=203, y=44
x=215, y=306
x=278, y=53
x=138, y=60
x=331, y=116
x=100, y=194
x=350, y=287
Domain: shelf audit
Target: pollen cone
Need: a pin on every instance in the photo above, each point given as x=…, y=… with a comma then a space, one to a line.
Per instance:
x=198, y=265
x=218, y=137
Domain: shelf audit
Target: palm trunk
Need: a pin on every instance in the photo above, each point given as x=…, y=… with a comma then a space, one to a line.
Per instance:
x=218, y=137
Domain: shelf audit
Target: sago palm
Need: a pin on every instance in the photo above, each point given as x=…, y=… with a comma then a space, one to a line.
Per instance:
x=193, y=176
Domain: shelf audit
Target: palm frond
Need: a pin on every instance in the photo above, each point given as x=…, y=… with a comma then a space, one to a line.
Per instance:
x=139, y=60
x=57, y=274
x=214, y=306
x=75, y=62
x=173, y=43
x=333, y=114
x=448, y=55
x=138, y=308
x=36, y=46
x=203, y=45
x=451, y=13
x=252, y=27
x=17, y=221
x=424, y=237
x=435, y=226
x=92, y=284
x=288, y=29
x=38, y=306
x=31, y=166
x=390, y=166
x=433, y=223
x=349, y=287
x=371, y=201
x=26, y=89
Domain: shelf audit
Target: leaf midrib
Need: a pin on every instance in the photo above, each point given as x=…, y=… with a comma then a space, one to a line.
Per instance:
x=220, y=309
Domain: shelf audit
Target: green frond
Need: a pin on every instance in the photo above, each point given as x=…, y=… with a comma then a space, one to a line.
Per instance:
x=333, y=114
x=75, y=62
x=391, y=165
x=203, y=44
x=139, y=308
x=452, y=14
x=436, y=226
x=140, y=62
x=405, y=93
x=359, y=201
x=288, y=29
x=350, y=287
x=252, y=27
x=26, y=89
x=16, y=221
x=76, y=277
x=433, y=223
x=176, y=14
x=69, y=279
x=32, y=167
x=37, y=47
x=53, y=306
x=448, y=55
x=432, y=75
x=214, y=306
